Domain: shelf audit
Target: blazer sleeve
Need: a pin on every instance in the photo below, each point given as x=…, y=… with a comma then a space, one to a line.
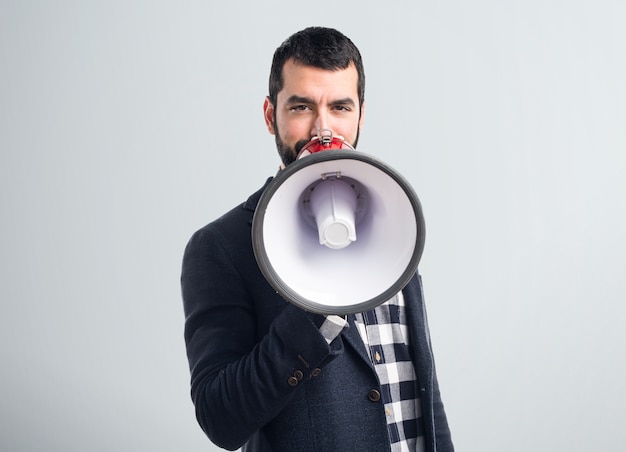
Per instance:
x=437, y=429
x=443, y=437
x=242, y=374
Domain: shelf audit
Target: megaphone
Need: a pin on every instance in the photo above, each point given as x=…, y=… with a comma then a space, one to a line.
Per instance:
x=338, y=232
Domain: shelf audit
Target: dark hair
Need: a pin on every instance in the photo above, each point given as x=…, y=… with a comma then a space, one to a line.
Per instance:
x=320, y=47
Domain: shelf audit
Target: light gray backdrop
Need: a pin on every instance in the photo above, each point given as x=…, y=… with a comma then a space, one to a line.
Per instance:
x=127, y=125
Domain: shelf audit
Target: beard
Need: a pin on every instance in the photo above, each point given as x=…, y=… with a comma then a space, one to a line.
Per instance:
x=290, y=154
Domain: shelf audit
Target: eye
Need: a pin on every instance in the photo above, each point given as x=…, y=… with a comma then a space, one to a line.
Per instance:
x=342, y=108
x=299, y=108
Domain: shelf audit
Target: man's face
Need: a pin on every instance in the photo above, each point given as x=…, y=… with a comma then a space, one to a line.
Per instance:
x=313, y=99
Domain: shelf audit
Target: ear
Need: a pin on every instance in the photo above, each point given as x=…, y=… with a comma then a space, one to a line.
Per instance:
x=362, y=116
x=268, y=114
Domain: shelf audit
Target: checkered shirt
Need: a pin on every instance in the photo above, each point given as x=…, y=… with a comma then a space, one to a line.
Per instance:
x=385, y=335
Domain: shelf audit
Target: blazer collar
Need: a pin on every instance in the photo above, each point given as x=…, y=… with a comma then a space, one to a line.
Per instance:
x=352, y=336
x=253, y=200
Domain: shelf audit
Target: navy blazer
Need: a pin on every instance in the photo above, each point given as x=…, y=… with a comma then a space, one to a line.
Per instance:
x=263, y=377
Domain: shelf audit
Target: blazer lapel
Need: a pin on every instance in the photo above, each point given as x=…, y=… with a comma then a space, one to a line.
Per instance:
x=419, y=336
x=353, y=338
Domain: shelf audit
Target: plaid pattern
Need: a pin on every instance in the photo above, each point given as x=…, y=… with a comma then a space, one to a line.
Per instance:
x=385, y=334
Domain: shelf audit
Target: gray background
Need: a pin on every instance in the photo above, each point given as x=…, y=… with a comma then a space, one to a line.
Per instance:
x=127, y=125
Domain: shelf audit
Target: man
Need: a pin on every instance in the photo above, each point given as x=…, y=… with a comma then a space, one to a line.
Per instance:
x=268, y=376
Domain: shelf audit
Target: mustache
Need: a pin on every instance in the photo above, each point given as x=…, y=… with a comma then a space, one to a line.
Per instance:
x=299, y=145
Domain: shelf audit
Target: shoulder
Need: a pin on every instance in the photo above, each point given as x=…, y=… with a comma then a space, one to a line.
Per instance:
x=233, y=227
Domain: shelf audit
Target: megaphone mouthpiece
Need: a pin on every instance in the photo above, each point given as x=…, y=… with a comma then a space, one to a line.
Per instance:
x=333, y=204
x=324, y=141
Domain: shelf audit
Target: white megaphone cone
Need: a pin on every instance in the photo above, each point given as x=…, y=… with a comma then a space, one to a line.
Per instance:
x=337, y=232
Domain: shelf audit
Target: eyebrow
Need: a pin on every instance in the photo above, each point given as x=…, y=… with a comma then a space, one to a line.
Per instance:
x=295, y=99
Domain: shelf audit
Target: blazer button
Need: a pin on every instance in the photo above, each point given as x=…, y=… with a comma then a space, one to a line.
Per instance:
x=293, y=381
x=316, y=372
x=298, y=374
x=373, y=395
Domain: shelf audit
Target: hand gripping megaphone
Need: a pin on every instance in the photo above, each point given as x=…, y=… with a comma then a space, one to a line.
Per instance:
x=338, y=231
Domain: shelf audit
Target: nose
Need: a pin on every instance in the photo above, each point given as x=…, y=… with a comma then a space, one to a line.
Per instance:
x=320, y=123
